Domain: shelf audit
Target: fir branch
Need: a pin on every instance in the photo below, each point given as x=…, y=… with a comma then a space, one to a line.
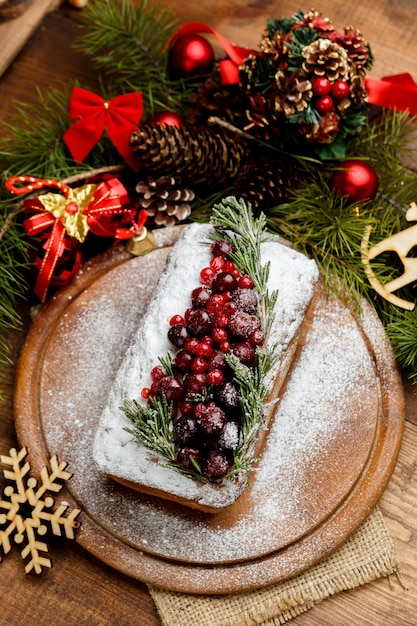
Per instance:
x=127, y=42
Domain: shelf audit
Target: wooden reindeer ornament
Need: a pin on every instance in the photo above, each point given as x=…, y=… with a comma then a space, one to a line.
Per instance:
x=401, y=243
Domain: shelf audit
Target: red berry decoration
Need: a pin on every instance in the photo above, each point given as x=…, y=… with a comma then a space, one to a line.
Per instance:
x=321, y=86
x=340, y=90
x=191, y=55
x=167, y=118
x=355, y=179
x=324, y=104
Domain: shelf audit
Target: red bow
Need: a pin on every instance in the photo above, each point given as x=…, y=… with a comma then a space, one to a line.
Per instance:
x=93, y=114
x=393, y=92
x=229, y=68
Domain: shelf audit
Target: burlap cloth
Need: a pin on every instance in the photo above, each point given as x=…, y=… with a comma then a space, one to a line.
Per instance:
x=367, y=555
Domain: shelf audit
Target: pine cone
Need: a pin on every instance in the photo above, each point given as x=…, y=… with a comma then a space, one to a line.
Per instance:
x=353, y=42
x=292, y=93
x=190, y=154
x=165, y=202
x=265, y=183
x=325, y=58
x=212, y=98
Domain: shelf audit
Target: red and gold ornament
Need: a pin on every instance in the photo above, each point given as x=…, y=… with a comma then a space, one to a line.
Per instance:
x=62, y=219
x=355, y=179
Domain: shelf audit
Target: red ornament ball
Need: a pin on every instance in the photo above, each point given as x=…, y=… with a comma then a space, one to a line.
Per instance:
x=167, y=118
x=340, y=90
x=324, y=104
x=321, y=86
x=191, y=55
x=355, y=179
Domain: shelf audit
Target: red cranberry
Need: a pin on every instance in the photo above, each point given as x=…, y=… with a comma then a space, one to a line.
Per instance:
x=195, y=382
x=222, y=248
x=227, y=395
x=229, y=439
x=200, y=297
x=191, y=345
x=220, y=335
x=145, y=393
x=245, y=300
x=216, y=263
x=201, y=323
x=186, y=408
x=223, y=281
x=216, y=465
x=184, y=456
x=225, y=347
x=177, y=335
x=215, y=377
x=256, y=338
x=185, y=429
x=182, y=360
x=204, y=349
x=157, y=373
x=222, y=319
x=206, y=275
x=216, y=361
x=171, y=388
x=199, y=365
x=245, y=353
x=241, y=325
x=176, y=319
x=213, y=421
x=245, y=282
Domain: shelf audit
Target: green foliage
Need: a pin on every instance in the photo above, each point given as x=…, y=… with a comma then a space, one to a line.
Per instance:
x=128, y=43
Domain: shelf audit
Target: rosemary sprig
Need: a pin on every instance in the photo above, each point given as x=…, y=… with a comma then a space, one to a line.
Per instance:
x=152, y=425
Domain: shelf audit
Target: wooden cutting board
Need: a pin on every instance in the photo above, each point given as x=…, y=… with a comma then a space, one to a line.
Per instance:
x=330, y=453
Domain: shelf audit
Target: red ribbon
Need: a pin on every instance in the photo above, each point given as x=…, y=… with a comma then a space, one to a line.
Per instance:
x=393, y=92
x=110, y=199
x=229, y=68
x=119, y=116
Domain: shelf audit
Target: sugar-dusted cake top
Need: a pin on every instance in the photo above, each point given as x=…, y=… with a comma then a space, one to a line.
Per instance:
x=115, y=450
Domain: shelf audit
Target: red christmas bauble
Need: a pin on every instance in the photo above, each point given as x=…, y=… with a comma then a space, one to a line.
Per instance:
x=355, y=179
x=167, y=118
x=68, y=262
x=191, y=55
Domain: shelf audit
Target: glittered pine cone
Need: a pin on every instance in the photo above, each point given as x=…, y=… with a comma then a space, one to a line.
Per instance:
x=165, y=202
x=352, y=41
x=292, y=93
x=189, y=153
x=325, y=58
x=323, y=132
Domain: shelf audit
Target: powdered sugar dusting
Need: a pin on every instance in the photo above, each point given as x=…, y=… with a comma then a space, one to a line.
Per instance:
x=318, y=443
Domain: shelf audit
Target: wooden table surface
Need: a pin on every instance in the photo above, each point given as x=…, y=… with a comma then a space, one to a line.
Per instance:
x=79, y=589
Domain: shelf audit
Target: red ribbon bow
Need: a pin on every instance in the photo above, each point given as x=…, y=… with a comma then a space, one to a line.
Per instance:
x=119, y=116
x=229, y=68
x=393, y=92
x=109, y=200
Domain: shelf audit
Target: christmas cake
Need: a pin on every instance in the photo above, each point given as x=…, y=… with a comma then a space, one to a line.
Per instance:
x=190, y=406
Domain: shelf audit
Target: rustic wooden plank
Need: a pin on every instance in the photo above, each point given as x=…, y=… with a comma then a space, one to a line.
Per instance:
x=15, y=33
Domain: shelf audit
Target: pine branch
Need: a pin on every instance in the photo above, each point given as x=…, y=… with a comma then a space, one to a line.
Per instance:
x=127, y=42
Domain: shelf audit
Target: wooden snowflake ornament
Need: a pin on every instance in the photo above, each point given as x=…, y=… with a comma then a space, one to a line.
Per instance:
x=26, y=510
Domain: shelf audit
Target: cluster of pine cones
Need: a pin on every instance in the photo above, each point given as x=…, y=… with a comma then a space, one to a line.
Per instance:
x=275, y=101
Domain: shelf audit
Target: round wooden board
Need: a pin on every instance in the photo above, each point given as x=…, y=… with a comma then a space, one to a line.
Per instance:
x=66, y=367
